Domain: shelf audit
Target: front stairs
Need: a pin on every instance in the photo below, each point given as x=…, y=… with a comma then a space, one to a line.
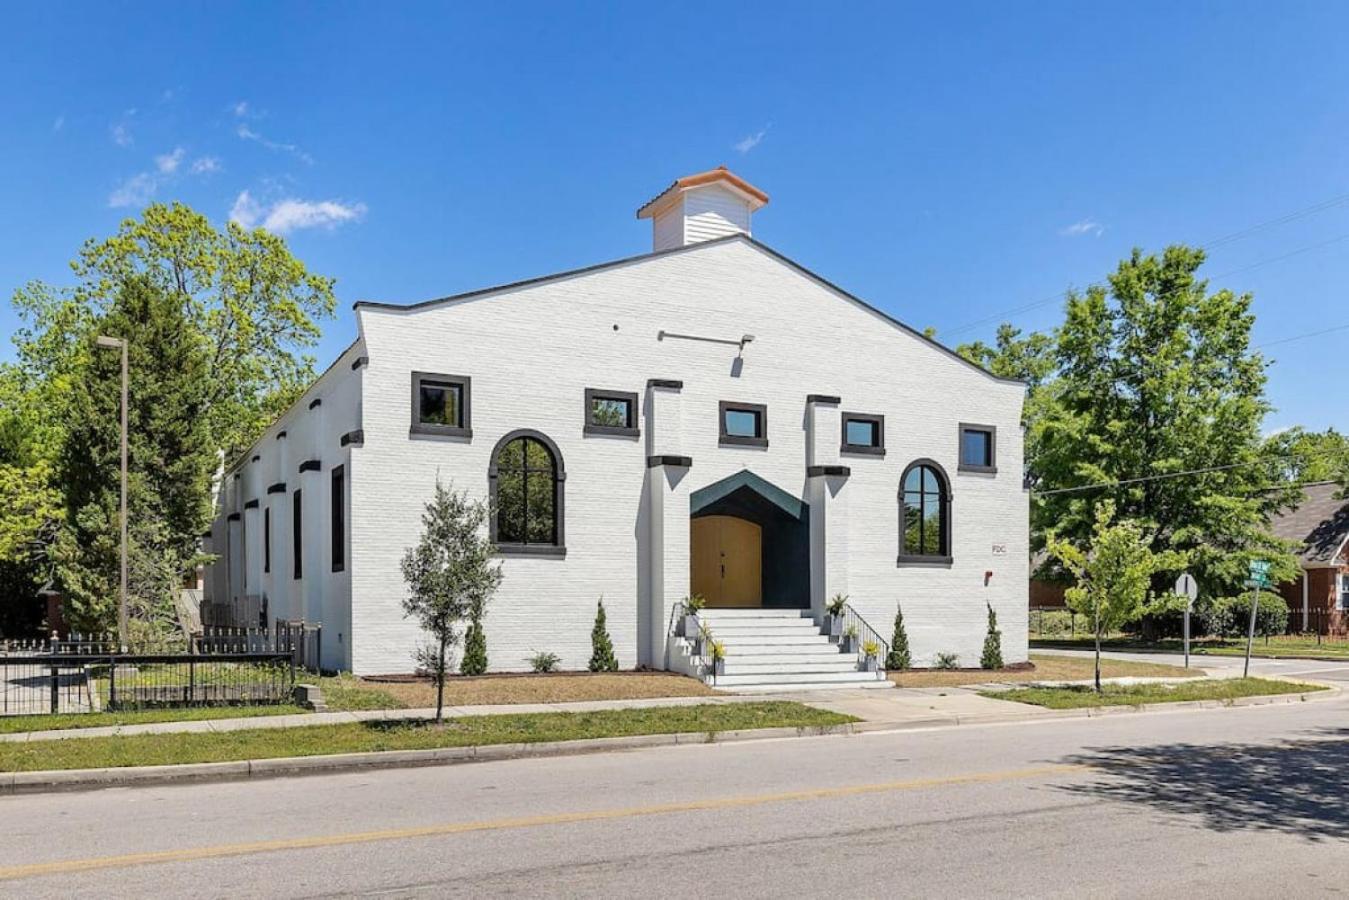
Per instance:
x=778, y=650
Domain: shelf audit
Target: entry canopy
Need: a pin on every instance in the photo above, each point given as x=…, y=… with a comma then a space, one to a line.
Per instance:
x=705, y=497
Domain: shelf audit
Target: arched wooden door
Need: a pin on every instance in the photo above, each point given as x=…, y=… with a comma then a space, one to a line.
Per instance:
x=726, y=561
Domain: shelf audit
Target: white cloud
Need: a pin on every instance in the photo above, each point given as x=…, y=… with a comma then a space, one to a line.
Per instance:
x=750, y=141
x=135, y=191
x=121, y=135
x=1086, y=226
x=206, y=165
x=292, y=214
x=241, y=108
x=59, y=123
x=168, y=163
x=249, y=134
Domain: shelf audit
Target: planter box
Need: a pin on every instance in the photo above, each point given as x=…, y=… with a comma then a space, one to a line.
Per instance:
x=833, y=625
x=870, y=664
x=690, y=626
x=848, y=644
x=719, y=667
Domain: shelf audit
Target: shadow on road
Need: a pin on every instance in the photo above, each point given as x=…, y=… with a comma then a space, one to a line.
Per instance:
x=1298, y=787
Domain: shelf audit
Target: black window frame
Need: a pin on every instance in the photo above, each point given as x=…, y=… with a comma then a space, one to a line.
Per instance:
x=992, y=467
x=465, y=385
x=760, y=412
x=944, y=558
x=267, y=539
x=558, y=546
x=878, y=449
x=297, y=534
x=592, y=427
x=337, y=517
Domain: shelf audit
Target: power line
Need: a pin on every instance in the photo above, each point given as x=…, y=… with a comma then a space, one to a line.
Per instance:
x=1210, y=245
x=1298, y=337
x=1168, y=475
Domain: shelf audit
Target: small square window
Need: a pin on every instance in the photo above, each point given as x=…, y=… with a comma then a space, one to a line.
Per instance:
x=744, y=424
x=611, y=412
x=440, y=404
x=978, y=448
x=864, y=434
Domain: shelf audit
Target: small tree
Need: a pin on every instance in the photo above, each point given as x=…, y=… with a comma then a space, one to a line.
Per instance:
x=475, y=646
x=1112, y=575
x=992, y=655
x=602, y=657
x=450, y=574
x=898, y=657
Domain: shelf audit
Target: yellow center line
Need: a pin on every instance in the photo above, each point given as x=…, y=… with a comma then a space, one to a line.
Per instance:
x=188, y=854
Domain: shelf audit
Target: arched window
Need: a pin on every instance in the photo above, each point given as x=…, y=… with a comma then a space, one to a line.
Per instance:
x=925, y=514
x=526, y=478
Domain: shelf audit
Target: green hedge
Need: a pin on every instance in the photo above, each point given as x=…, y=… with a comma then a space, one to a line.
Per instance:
x=1224, y=617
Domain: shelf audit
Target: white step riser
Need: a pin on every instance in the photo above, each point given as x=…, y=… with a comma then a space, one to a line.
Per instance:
x=754, y=614
x=794, y=667
x=795, y=677
x=784, y=640
x=803, y=658
x=815, y=686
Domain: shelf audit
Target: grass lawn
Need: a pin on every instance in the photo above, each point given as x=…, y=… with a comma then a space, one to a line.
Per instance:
x=1079, y=696
x=349, y=692
x=12, y=724
x=1047, y=668
x=1284, y=646
x=163, y=749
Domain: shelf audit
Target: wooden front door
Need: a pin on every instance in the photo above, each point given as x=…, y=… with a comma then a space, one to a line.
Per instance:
x=726, y=559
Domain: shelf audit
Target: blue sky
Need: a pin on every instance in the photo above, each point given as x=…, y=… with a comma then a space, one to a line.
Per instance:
x=944, y=161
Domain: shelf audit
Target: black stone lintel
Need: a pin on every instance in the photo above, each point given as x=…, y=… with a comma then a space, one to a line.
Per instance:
x=310, y=465
x=827, y=399
x=813, y=471
x=234, y=517
x=355, y=438
x=682, y=462
x=360, y=361
x=278, y=488
x=251, y=504
x=665, y=383
x=316, y=402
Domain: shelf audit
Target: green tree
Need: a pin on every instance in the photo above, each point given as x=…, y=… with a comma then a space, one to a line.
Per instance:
x=602, y=658
x=170, y=463
x=449, y=573
x=1298, y=456
x=992, y=655
x=899, y=657
x=475, y=646
x=1112, y=574
x=1156, y=377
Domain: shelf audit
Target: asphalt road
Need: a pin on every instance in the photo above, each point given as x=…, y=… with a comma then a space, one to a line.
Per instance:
x=1215, y=803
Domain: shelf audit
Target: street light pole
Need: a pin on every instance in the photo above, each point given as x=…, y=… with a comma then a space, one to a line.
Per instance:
x=120, y=343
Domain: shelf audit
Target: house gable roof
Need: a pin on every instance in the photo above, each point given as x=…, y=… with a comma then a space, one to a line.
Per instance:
x=692, y=248
x=1319, y=524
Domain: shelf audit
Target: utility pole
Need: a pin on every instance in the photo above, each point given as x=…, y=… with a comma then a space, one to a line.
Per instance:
x=116, y=344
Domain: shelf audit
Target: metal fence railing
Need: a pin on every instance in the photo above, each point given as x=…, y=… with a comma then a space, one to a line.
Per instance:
x=853, y=622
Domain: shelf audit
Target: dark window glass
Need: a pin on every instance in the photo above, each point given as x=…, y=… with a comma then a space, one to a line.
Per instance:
x=526, y=493
x=924, y=513
x=861, y=433
x=976, y=448
x=611, y=411
x=267, y=539
x=296, y=534
x=338, y=522
x=440, y=404
x=742, y=423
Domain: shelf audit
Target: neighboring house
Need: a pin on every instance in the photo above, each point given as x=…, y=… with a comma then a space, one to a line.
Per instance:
x=710, y=417
x=1319, y=525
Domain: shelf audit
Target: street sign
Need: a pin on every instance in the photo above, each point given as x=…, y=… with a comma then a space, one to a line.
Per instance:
x=1187, y=587
x=1259, y=574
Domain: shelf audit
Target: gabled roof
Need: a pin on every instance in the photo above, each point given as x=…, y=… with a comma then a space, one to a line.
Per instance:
x=720, y=174
x=691, y=248
x=1319, y=524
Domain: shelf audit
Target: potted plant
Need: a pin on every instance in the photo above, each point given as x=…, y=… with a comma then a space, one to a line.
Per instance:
x=833, y=615
x=870, y=650
x=718, y=659
x=703, y=639
x=692, y=606
x=848, y=643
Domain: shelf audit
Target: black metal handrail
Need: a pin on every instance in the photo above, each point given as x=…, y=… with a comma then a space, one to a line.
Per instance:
x=865, y=633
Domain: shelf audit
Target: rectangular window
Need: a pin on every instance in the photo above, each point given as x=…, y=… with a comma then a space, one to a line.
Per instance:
x=863, y=434
x=296, y=534
x=1344, y=592
x=267, y=539
x=338, y=522
x=978, y=448
x=743, y=424
x=611, y=412
x=441, y=404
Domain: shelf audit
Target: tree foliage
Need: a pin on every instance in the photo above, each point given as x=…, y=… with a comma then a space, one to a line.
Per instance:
x=450, y=573
x=474, y=661
x=991, y=658
x=1298, y=456
x=602, y=658
x=899, y=657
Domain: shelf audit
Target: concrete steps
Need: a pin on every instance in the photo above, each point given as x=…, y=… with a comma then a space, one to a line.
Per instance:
x=776, y=650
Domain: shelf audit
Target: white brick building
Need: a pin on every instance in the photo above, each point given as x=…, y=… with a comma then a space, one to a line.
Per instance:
x=708, y=417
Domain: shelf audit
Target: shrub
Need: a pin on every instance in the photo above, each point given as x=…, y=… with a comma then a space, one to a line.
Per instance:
x=992, y=655
x=947, y=661
x=544, y=661
x=475, y=648
x=899, y=659
x=870, y=648
x=694, y=603
x=836, y=604
x=602, y=657
x=1271, y=615
x=1054, y=622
